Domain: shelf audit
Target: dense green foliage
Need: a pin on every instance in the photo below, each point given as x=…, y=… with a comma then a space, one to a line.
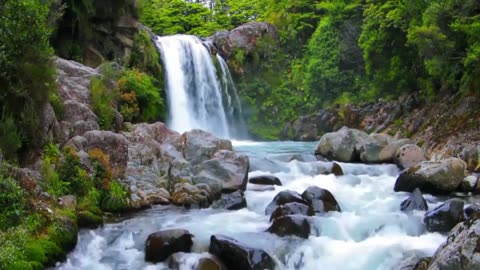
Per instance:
x=140, y=98
x=338, y=51
x=26, y=73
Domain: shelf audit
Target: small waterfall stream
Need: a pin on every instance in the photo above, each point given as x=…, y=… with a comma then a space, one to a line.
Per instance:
x=198, y=96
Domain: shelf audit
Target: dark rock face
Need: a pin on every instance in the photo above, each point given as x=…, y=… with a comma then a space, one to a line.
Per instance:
x=160, y=245
x=320, y=199
x=472, y=211
x=309, y=127
x=337, y=169
x=284, y=197
x=445, y=217
x=206, y=261
x=243, y=38
x=290, y=225
x=434, y=177
x=293, y=208
x=265, y=180
x=461, y=251
x=415, y=201
x=237, y=256
x=232, y=201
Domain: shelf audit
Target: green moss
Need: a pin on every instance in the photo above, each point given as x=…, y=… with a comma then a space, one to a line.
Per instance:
x=87, y=219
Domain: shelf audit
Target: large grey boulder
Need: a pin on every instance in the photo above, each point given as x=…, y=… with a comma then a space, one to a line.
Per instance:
x=461, y=251
x=434, y=177
x=409, y=155
x=343, y=145
x=160, y=245
x=445, y=217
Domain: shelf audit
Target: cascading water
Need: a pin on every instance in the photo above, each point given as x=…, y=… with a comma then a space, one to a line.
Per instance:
x=195, y=94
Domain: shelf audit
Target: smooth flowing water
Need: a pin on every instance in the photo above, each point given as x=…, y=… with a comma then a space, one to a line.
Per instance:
x=198, y=96
x=370, y=233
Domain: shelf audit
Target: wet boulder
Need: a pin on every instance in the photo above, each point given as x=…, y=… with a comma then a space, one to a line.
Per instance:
x=343, y=145
x=409, y=155
x=337, y=169
x=469, y=183
x=160, y=245
x=192, y=196
x=265, y=180
x=321, y=200
x=227, y=168
x=434, y=177
x=445, y=217
x=284, y=197
x=461, y=250
x=198, y=146
x=238, y=256
x=290, y=225
x=472, y=211
x=204, y=261
x=415, y=201
x=231, y=201
x=292, y=208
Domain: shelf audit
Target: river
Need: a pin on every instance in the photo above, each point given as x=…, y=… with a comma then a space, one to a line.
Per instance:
x=370, y=233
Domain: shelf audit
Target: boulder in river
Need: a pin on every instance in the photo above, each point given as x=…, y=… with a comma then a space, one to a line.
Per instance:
x=337, y=169
x=461, y=250
x=231, y=201
x=238, y=256
x=265, y=180
x=160, y=245
x=343, y=145
x=196, y=196
x=321, y=200
x=204, y=261
x=291, y=225
x=445, y=217
x=284, y=197
x=409, y=155
x=472, y=211
x=292, y=208
x=415, y=201
x=434, y=177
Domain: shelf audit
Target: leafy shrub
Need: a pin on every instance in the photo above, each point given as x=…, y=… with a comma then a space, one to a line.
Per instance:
x=57, y=103
x=12, y=202
x=103, y=100
x=102, y=172
x=115, y=198
x=10, y=138
x=145, y=56
x=51, y=182
x=147, y=95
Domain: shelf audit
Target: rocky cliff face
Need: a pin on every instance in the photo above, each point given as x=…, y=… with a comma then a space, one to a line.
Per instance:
x=445, y=128
x=95, y=32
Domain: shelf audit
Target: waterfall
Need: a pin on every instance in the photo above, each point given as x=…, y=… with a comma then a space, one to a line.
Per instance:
x=198, y=96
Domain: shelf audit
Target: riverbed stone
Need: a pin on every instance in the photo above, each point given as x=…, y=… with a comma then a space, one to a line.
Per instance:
x=415, y=201
x=238, y=256
x=343, y=145
x=434, y=177
x=292, y=208
x=160, y=245
x=265, y=180
x=337, y=169
x=284, y=197
x=321, y=200
x=445, y=217
x=192, y=196
x=290, y=225
x=231, y=201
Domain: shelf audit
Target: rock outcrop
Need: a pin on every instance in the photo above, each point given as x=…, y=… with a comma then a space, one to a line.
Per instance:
x=160, y=245
x=434, y=177
x=461, y=251
x=238, y=256
x=445, y=217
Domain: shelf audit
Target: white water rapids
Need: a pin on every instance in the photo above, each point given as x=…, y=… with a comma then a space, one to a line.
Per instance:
x=370, y=233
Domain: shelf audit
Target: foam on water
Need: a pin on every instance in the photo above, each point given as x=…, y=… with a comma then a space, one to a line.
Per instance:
x=370, y=232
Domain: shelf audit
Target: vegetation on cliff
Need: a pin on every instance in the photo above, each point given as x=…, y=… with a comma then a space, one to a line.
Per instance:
x=337, y=51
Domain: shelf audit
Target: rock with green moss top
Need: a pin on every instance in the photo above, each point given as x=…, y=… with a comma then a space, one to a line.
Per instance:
x=87, y=219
